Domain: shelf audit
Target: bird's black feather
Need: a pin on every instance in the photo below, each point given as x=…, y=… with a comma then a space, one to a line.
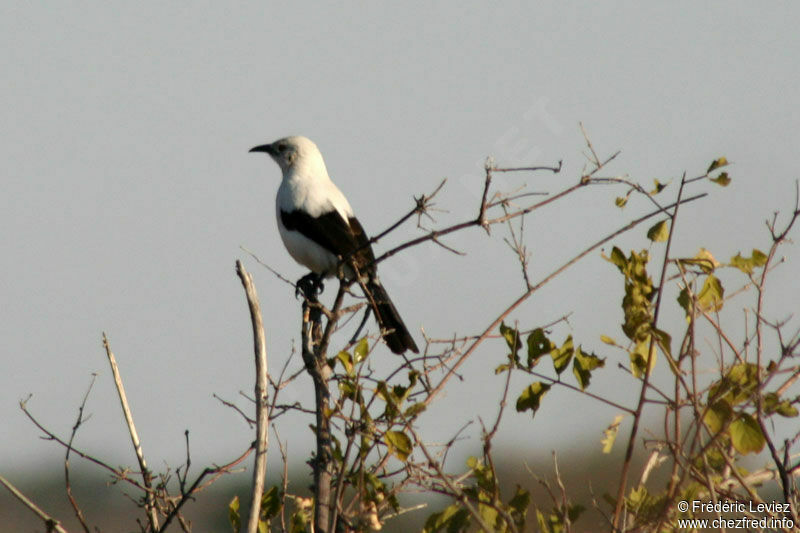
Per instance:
x=332, y=232
x=347, y=239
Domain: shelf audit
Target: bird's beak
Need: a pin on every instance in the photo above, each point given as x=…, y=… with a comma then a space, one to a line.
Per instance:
x=264, y=148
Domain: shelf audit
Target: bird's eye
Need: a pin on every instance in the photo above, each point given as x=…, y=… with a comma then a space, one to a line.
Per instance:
x=281, y=148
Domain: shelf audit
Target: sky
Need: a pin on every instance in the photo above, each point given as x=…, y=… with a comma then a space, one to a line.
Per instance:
x=128, y=191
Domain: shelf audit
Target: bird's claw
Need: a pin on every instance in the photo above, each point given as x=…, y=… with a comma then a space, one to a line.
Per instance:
x=309, y=285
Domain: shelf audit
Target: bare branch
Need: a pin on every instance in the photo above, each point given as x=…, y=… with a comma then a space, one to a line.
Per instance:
x=262, y=413
x=147, y=477
x=78, y=422
x=50, y=523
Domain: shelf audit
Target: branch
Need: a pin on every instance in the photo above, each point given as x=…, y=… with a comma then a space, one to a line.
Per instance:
x=463, y=357
x=196, y=487
x=78, y=422
x=262, y=413
x=650, y=354
x=147, y=478
x=455, y=491
x=51, y=523
x=118, y=473
x=555, y=170
x=316, y=365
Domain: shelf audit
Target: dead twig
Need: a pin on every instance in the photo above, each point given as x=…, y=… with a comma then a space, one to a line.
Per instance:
x=147, y=476
x=262, y=412
x=50, y=523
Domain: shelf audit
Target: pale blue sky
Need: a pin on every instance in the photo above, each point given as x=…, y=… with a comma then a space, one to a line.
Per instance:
x=127, y=188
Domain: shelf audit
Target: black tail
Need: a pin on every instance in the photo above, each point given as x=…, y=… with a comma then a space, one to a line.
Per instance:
x=396, y=334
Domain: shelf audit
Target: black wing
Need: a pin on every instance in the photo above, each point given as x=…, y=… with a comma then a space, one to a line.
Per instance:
x=332, y=232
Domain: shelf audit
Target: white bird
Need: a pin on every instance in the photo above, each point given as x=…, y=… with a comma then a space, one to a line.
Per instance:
x=319, y=229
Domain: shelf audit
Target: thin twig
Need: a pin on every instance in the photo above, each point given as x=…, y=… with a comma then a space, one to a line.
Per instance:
x=147, y=477
x=78, y=422
x=555, y=170
x=118, y=473
x=50, y=523
x=196, y=487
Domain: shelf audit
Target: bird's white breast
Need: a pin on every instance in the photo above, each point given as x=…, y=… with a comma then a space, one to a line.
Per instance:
x=306, y=252
x=315, y=195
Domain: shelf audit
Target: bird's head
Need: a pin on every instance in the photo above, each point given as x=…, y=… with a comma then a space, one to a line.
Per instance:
x=291, y=152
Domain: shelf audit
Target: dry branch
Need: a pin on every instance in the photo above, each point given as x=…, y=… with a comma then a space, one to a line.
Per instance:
x=147, y=477
x=262, y=412
x=51, y=523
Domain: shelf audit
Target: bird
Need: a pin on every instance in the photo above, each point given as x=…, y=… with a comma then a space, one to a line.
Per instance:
x=320, y=230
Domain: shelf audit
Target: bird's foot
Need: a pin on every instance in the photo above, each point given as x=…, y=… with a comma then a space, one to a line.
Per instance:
x=309, y=285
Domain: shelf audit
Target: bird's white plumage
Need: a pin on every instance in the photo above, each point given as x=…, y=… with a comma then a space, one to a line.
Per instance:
x=307, y=187
x=307, y=252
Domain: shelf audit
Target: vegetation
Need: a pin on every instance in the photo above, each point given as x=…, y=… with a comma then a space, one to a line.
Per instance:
x=369, y=448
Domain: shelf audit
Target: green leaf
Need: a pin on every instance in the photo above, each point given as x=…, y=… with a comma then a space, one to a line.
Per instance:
x=639, y=293
x=551, y=523
x=746, y=435
x=608, y=340
x=685, y=301
x=717, y=163
x=722, y=180
x=618, y=258
x=610, y=434
x=542, y=522
x=489, y=514
x=774, y=404
x=346, y=361
x=575, y=511
x=717, y=416
x=391, y=399
x=302, y=517
x=400, y=392
x=415, y=410
x=659, y=232
x=711, y=295
x=759, y=258
x=413, y=377
x=664, y=341
x=347, y=389
x=484, y=476
x=361, y=350
x=621, y=201
x=562, y=356
x=640, y=362
x=748, y=264
x=658, y=187
x=583, y=365
x=531, y=397
x=737, y=386
x=499, y=369
x=511, y=335
x=703, y=259
x=538, y=345
x=270, y=503
x=742, y=263
x=786, y=409
x=452, y=519
x=639, y=499
x=233, y=514
x=399, y=444
x=518, y=505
